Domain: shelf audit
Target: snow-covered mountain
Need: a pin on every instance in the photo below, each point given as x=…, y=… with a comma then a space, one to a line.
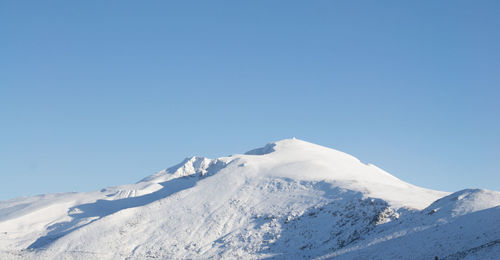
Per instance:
x=290, y=199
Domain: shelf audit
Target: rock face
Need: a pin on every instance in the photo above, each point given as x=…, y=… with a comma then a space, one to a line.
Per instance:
x=289, y=199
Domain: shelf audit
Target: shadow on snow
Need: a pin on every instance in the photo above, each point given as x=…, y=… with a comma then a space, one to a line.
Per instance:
x=103, y=208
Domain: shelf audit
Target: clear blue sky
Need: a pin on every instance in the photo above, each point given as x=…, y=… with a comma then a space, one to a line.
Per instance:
x=101, y=93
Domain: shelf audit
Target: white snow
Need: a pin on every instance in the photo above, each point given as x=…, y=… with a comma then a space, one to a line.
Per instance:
x=289, y=199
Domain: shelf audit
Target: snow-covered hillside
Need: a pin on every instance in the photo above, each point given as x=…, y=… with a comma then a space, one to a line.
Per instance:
x=289, y=199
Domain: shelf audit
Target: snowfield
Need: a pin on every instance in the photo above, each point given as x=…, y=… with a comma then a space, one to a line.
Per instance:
x=290, y=199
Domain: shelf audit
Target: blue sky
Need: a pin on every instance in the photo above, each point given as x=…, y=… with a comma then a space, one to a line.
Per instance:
x=101, y=93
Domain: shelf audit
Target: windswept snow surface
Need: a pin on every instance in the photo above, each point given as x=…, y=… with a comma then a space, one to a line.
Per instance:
x=289, y=199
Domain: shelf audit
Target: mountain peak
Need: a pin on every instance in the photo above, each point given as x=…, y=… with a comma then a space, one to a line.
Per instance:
x=464, y=202
x=253, y=205
x=290, y=143
x=304, y=161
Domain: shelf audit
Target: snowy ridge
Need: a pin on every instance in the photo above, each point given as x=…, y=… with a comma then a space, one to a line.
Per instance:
x=288, y=199
x=189, y=167
x=464, y=224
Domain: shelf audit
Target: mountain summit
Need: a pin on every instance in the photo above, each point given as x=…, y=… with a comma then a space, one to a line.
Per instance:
x=288, y=199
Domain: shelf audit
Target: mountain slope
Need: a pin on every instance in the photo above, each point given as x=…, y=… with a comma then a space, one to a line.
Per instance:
x=288, y=199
